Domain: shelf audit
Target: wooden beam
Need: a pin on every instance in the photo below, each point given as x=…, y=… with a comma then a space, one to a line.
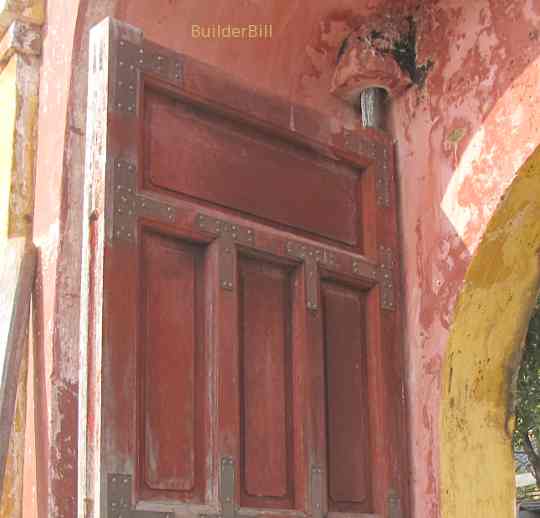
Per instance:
x=17, y=273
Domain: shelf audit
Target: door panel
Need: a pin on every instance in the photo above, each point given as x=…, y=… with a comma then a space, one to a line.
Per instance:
x=265, y=355
x=172, y=367
x=346, y=398
x=191, y=151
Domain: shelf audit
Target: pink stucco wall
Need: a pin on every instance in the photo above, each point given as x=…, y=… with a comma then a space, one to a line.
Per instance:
x=460, y=142
x=459, y=139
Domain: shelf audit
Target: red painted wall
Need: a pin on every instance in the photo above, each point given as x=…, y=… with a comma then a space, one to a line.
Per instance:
x=460, y=139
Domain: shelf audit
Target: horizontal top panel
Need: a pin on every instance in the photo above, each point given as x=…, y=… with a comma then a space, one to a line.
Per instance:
x=192, y=151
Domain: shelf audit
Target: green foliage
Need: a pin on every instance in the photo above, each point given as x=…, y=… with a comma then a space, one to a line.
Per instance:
x=527, y=434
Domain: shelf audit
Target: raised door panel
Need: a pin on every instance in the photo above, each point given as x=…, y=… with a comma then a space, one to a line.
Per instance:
x=202, y=154
x=172, y=370
x=347, y=413
x=267, y=465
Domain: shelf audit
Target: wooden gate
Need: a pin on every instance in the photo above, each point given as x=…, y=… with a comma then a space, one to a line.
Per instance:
x=244, y=350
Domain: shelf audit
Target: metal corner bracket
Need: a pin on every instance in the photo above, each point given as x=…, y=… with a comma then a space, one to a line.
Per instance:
x=228, y=236
x=147, y=58
x=312, y=256
x=128, y=205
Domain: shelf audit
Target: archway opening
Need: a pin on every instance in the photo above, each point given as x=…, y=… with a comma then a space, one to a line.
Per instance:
x=483, y=354
x=526, y=438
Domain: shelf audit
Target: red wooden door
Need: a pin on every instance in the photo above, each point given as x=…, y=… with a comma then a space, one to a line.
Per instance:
x=245, y=359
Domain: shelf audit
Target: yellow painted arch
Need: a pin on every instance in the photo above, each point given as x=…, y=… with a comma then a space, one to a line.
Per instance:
x=490, y=322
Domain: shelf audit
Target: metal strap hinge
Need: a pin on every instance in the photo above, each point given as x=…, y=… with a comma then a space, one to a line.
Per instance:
x=394, y=505
x=229, y=234
x=378, y=152
x=227, y=489
x=386, y=278
x=120, y=499
x=317, y=492
x=382, y=183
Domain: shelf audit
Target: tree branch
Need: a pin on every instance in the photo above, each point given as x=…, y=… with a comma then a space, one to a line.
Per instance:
x=533, y=457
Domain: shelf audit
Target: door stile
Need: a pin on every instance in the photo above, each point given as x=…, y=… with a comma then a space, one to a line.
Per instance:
x=302, y=411
x=391, y=491
x=111, y=452
x=317, y=466
x=212, y=334
x=122, y=277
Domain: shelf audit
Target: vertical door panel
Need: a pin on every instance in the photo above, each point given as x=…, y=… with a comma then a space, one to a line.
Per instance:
x=172, y=367
x=346, y=399
x=265, y=356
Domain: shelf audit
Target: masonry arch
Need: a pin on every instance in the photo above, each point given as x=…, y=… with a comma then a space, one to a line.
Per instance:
x=483, y=355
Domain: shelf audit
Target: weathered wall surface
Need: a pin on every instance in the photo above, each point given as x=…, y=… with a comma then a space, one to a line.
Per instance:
x=57, y=205
x=461, y=139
